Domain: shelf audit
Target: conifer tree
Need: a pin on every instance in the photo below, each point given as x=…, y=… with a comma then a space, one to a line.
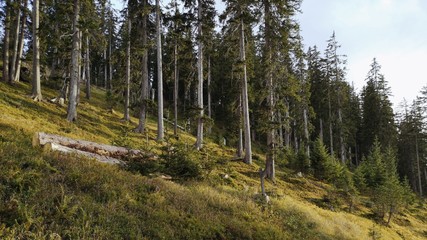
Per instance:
x=377, y=112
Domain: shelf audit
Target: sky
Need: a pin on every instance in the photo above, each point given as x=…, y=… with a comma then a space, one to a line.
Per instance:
x=392, y=31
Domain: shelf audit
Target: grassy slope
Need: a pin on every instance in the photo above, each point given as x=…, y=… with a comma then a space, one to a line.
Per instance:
x=49, y=195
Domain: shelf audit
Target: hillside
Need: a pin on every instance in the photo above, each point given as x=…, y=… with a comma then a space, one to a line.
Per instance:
x=46, y=195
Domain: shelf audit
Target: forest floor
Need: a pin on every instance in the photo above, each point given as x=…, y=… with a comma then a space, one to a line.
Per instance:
x=47, y=195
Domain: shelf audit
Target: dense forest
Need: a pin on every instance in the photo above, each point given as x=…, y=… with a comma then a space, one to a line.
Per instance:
x=241, y=78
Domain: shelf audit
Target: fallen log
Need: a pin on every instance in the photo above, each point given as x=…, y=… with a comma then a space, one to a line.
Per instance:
x=104, y=159
x=172, y=123
x=41, y=138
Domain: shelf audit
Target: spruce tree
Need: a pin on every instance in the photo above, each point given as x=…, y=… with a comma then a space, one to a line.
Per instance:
x=377, y=112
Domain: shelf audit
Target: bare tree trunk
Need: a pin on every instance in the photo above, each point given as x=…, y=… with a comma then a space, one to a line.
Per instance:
x=127, y=92
x=270, y=171
x=6, y=42
x=209, y=93
x=240, y=143
x=21, y=44
x=110, y=53
x=105, y=68
x=425, y=175
x=296, y=145
x=144, y=85
x=287, y=127
x=16, y=43
x=245, y=98
x=199, y=142
x=160, y=128
x=306, y=134
x=418, y=167
x=74, y=81
x=331, y=136
x=36, y=91
x=175, y=90
x=321, y=129
x=281, y=137
x=87, y=67
x=342, y=147
x=79, y=76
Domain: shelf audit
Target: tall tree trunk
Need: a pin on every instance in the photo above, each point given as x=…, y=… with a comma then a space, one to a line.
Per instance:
x=160, y=128
x=105, y=69
x=209, y=93
x=240, y=142
x=245, y=98
x=306, y=133
x=87, y=68
x=340, y=122
x=175, y=89
x=127, y=92
x=74, y=81
x=199, y=142
x=36, y=91
x=270, y=171
x=79, y=75
x=287, y=126
x=6, y=42
x=425, y=175
x=21, y=44
x=296, y=145
x=418, y=167
x=331, y=136
x=144, y=85
x=110, y=53
x=15, y=42
x=281, y=133
x=321, y=129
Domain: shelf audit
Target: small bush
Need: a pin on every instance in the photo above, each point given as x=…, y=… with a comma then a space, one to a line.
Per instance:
x=182, y=162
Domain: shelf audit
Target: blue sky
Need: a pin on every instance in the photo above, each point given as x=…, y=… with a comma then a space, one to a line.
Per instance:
x=393, y=31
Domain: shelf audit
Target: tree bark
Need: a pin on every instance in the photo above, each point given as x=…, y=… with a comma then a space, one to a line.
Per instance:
x=418, y=167
x=245, y=98
x=288, y=130
x=87, y=68
x=127, y=91
x=209, y=93
x=160, y=127
x=240, y=142
x=175, y=89
x=105, y=69
x=331, y=136
x=144, y=85
x=321, y=129
x=110, y=53
x=41, y=138
x=74, y=81
x=199, y=142
x=306, y=134
x=6, y=42
x=15, y=43
x=21, y=44
x=270, y=171
x=36, y=91
x=100, y=158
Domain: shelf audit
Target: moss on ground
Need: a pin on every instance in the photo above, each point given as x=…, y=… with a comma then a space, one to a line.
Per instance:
x=46, y=195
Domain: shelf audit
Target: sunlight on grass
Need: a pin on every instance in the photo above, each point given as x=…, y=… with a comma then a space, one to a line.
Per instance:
x=73, y=197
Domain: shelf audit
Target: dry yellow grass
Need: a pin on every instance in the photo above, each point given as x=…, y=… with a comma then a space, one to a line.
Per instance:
x=217, y=201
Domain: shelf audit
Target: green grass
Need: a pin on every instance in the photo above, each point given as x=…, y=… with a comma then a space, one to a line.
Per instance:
x=46, y=195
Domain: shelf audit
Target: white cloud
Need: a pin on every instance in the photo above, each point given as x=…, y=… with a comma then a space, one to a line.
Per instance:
x=393, y=31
